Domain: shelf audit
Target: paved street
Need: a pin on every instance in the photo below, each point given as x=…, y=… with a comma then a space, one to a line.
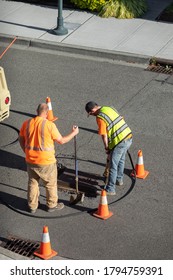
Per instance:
x=141, y=227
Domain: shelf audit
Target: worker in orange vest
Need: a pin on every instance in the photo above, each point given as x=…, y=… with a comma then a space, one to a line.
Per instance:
x=36, y=138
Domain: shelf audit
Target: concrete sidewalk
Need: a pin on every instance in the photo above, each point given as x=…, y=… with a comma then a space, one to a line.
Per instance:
x=134, y=38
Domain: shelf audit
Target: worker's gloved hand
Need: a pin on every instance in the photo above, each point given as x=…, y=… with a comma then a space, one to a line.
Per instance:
x=75, y=129
x=107, y=151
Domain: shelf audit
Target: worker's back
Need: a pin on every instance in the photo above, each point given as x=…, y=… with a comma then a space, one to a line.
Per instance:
x=39, y=135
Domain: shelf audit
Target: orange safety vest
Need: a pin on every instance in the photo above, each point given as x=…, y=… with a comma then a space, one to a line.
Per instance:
x=39, y=137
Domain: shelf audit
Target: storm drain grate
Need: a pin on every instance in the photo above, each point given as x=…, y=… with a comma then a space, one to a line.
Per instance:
x=159, y=65
x=21, y=246
x=160, y=69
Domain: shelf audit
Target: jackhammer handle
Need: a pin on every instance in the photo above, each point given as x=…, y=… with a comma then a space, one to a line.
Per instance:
x=76, y=164
x=75, y=152
x=131, y=160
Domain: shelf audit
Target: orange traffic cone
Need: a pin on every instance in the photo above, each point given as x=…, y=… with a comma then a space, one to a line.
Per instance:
x=45, y=252
x=50, y=115
x=141, y=173
x=103, y=211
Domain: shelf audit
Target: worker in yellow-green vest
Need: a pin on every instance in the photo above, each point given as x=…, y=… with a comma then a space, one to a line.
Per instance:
x=117, y=139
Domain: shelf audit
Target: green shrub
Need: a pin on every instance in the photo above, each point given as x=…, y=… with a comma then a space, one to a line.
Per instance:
x=92, y=5
x=169, y=9
x=123, y=8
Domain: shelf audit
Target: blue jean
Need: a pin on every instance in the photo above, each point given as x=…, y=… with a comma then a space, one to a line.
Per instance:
x=117, y=163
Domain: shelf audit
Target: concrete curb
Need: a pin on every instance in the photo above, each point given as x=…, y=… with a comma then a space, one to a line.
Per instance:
x=86, y=51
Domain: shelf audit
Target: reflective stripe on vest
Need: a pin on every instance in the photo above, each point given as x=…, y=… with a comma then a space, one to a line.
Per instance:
x=117, y=128
x=34, y=148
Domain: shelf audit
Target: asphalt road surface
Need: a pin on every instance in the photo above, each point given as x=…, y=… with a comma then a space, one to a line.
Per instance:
x=142, y=223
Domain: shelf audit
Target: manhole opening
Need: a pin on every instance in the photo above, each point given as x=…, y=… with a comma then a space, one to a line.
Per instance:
x=160, y=66
x=88, y=183
x=20, y=246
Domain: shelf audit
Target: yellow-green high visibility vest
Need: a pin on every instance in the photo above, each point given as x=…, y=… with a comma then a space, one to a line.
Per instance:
x=117, y=128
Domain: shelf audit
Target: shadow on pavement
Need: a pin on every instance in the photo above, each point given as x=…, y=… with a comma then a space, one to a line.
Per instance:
x=11, y=199
x=23, y=113
x=10, y=160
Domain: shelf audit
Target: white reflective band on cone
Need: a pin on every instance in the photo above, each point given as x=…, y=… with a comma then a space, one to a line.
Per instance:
x=49, y=105
x=45, y=238
x=103, y=200
x=140, y=160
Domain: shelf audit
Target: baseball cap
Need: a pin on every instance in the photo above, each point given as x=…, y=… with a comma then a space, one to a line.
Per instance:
x=89, y=106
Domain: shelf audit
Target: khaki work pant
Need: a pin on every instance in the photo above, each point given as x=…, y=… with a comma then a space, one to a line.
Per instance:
x=48, y=174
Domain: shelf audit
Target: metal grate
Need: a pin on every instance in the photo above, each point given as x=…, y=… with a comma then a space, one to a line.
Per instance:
x=160, y=69
x=21, y=246
x=160, y=65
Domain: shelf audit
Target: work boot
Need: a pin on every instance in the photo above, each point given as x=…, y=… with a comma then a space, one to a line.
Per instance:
x=110, y=193
x=98, y=192
x=32, y=211
x=59, y=206
x=119, y=183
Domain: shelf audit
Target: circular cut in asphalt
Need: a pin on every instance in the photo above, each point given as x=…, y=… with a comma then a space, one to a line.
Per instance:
x=9, y=135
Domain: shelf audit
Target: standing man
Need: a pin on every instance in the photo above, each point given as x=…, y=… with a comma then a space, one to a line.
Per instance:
x=117, y=139
x=36, y=138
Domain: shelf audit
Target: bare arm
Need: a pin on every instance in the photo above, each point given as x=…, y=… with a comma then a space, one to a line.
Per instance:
x=65, y=139
x=105, y=140
x=22, y=143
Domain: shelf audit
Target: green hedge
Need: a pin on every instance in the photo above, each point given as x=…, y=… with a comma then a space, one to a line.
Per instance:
x=114, y=8
x=92, y=5
x=124, y=8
